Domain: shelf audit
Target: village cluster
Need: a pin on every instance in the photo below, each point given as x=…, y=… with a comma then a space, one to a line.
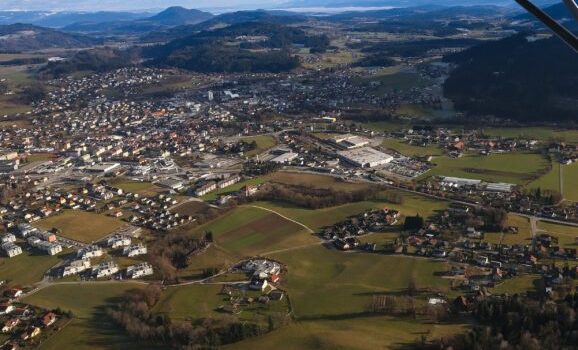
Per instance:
x=23, y=324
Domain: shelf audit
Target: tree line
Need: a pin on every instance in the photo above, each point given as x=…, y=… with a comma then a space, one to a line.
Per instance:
x=134, y=314
x=517, y=322
x=311, y=197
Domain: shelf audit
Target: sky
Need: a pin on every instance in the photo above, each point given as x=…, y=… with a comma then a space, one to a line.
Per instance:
x=117, y=5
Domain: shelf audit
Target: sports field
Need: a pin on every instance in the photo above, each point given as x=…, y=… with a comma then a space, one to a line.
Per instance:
x=516, y=168
x=81, y=226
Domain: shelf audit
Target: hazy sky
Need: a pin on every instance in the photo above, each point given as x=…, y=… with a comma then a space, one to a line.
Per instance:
x=95, y=5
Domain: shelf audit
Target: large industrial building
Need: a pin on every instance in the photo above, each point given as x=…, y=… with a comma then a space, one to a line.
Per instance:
x=349, y=141
x=365, y=157
x=103, y=168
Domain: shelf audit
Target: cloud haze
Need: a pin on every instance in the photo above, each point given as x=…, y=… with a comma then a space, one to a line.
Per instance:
x=116, y=5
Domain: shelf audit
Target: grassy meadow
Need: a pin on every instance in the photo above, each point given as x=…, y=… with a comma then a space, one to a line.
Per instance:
x=27, y=268
x=516, y=168
x=89, y=329
x=264, y=142
x=81, y=226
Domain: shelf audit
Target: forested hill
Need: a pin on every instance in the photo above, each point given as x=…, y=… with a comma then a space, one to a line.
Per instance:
x=23, y=37
x=517, y=78
x=244, y=47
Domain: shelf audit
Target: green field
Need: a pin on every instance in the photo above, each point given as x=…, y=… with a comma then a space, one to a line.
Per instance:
x=141, y=187
x=314, y=180
x=213, y=257
x=27, y=268
x=570, y=178
x=519, y=284
x=190, y=302
x=326, y=282
x=90, y=329
x=202, y=301
x=316, y=219
x=81, y=226
x=356, y=333
x=11, y=106
x=538, y=133
x=549, y=181
x=524, y=236
x=394, y=81
x=415, y=111
x=411, y=150
x=516, y=168
x=264, y=142
x=250, y=231
x=566, y=234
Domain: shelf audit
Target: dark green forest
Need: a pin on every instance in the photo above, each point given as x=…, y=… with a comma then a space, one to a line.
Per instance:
x=516, y=78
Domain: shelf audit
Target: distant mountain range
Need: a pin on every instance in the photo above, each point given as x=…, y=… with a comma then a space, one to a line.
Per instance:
x=23, y=37
x=401, y=3
x=226, y=19
x=171, y=17
x=63, y=19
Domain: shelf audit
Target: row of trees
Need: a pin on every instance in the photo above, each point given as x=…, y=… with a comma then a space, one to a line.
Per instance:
x=312, y=197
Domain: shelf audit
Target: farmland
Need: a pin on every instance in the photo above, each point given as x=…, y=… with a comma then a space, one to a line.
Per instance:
x=316, y=219
x=549, y=181
x=516, y=168
x=319, y=279
x=313, y=180
x=354, y=333
x=411, y=150
x=190, y=302
x=538, y=133
x=251, y=231
x=73, y=225
x=570, y=178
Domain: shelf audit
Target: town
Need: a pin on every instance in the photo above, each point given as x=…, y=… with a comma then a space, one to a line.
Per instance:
x=347, y=201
